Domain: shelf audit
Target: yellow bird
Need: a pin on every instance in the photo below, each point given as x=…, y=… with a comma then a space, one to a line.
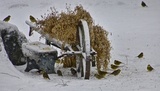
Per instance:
x=116, y=72
x=7, y=18
x=98, y=76
x=143, y=4
x=32, y=19
x=45, y=75
x=103, y=73
x=140, y=55
x=59, y=73
x=116, y=62
x=149, y=67
x=114, y=66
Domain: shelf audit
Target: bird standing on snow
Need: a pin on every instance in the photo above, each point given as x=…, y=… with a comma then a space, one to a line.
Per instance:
x=144, y=4
x=149, y=67
x=45, y=75
x=140, y=55
x=102, y=73
x=116, y=72
x=114, y=66
x=7, y=18
x=59, y=73
x=116, y=62
x=98, y=76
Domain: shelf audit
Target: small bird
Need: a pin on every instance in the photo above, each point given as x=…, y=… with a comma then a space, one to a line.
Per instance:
x=116, y=72
x=32, y=19
x=103, y=73
x=7, y=18
x=116, y=62
x=73, y=71
x=45, y=75
x=114, y=66
x=149, y=67
x=98, y=76
x=144, y=4
x=59, y=73
x=140, y=55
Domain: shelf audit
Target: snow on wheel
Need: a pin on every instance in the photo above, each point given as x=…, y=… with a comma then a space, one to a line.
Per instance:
x=84, y=40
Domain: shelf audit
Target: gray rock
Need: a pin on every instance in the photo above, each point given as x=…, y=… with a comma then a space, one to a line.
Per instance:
x=39, y=56
x=12, y=40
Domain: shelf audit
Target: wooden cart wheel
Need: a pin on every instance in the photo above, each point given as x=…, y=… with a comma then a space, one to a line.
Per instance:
x=84, y=43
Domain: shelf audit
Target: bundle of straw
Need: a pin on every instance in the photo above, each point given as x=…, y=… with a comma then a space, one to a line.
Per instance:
x=63, y=27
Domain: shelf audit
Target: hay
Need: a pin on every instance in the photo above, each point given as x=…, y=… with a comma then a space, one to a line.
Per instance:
x=63, y=26
x=101, y=45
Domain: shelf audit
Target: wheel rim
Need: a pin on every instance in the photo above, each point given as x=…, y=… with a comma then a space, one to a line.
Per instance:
x=84, y=40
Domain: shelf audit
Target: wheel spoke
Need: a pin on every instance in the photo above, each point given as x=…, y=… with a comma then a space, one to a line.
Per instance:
x=87, y=73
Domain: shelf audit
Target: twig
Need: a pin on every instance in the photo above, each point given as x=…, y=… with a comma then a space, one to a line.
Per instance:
x=10, y=75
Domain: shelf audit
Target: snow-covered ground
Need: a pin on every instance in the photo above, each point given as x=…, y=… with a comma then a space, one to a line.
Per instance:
x=133, y=29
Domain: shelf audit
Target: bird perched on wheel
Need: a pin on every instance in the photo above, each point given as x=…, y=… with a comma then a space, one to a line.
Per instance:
x=149, y=67
x=116, y=72
x=143, y=4
x=59, y=73
x=45, y=75
x=73, y=71
x=7, y=18
x=140, y=55
x=33, y=20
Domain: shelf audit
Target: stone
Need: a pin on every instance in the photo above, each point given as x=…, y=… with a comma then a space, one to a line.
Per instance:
x=12, y=39
x=39, y=56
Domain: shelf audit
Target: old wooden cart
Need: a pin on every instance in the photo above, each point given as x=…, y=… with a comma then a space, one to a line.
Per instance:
x=85, y=55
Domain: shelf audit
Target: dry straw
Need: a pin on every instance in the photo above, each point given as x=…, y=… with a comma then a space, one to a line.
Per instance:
x=63, y=26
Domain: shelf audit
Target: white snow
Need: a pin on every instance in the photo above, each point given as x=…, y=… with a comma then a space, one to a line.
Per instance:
x=132, y=29
x=7, y=26
x=37, y=47
x=32, y=49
